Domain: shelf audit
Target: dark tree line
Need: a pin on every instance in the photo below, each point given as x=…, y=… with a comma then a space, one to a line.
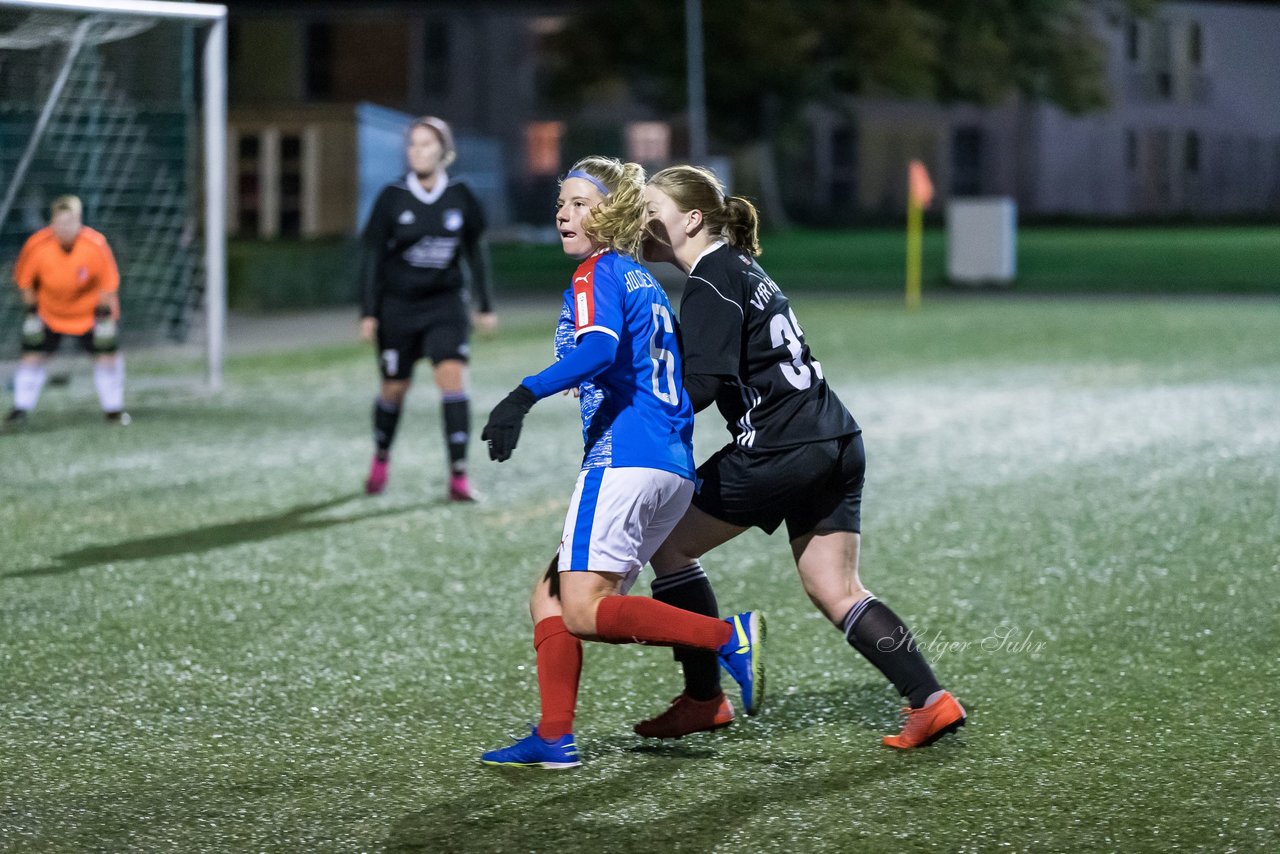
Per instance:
x=765, y=59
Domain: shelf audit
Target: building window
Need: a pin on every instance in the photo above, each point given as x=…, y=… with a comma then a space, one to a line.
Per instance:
x=319, y=61
x=248, y=185
x=1195, y=45
x=1133, y=42
x=1191, y=152
x=966, y=161
x=233, y=44
x=649, y=142
x=543, y=26
x=542, y=147
x=435, y=49
x=844, y=167
x=270, y=181
x=844, y=147
x=290, y=185
x=1131, y=150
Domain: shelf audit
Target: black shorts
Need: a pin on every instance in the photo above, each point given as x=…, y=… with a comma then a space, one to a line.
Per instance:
x=440, y=336
x=50, y=341
x=814, y=488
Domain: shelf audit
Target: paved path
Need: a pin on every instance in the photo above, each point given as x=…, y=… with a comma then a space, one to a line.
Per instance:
x=268, y=333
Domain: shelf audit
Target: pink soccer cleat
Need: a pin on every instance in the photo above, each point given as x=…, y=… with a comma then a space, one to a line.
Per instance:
x=376, y=482
x=460, y=488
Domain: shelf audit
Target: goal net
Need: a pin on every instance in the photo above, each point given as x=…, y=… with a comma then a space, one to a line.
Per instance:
x=122, y=103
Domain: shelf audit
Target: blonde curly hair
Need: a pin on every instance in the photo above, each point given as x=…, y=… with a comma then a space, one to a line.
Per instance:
x=619, y=221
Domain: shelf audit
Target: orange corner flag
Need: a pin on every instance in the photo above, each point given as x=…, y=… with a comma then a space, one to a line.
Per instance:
x=919, y=187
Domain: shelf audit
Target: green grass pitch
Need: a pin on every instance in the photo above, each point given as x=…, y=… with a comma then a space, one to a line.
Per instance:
x=210, y=641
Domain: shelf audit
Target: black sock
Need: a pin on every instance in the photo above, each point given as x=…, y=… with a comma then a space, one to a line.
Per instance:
x=386, y=415
x=457, y=427
x=690, y=589
x=874, y=630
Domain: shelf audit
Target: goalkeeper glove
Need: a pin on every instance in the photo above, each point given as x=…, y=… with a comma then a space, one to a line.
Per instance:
x=32, y=328
x=104, y=330
x=502, y=431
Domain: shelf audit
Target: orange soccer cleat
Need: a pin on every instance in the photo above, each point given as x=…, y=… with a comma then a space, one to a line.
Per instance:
x=928, y=724
x=687, y=716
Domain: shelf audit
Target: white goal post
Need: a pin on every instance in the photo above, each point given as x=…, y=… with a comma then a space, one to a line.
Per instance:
x=108, y=18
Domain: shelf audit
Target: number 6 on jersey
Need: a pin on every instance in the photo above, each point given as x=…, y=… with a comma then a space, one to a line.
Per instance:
x=664, y=364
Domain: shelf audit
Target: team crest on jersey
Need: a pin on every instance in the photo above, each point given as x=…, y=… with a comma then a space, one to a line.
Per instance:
x=407, y=218
x=453, y=219
x=82, y=275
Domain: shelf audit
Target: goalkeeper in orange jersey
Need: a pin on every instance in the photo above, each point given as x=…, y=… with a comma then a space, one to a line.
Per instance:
x=69, y=282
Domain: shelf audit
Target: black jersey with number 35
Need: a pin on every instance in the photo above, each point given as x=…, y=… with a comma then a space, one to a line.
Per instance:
x=739, y=325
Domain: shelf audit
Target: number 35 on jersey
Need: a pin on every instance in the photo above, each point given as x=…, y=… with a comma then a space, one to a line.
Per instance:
x=785, y=331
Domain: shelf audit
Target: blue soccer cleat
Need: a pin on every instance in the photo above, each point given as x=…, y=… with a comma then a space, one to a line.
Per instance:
x=743, y=657
x=533, y=751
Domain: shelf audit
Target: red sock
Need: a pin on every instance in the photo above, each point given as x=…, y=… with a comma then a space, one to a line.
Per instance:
x=637, y=619
x=559, y=666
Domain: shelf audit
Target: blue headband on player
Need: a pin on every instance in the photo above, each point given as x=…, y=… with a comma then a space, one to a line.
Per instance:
x=590, y=179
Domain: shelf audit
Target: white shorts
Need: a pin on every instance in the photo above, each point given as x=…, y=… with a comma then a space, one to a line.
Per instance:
x=618, y=517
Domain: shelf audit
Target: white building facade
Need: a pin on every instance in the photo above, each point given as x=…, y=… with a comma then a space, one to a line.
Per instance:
x=1193, y=129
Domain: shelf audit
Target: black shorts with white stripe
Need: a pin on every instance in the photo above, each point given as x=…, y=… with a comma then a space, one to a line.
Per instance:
x=814, y=488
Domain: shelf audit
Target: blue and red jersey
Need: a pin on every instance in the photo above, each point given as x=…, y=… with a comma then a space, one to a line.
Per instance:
x=637, y=413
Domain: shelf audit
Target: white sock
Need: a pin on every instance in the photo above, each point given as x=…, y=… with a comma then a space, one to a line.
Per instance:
x=108, y=379
x=27, y=383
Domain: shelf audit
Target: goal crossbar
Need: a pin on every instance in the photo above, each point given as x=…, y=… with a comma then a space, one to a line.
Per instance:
x=150, y=8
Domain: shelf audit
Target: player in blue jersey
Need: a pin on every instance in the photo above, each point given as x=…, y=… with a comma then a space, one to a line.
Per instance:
x=795, y=456
x=616, y=343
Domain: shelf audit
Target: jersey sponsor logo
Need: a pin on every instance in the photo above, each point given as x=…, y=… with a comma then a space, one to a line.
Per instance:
x=407, y=217
x=453, y=219
x=584, y=309
x=433, y=252
x=82, y=274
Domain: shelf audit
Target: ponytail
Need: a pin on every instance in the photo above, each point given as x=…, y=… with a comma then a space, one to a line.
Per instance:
x=733, y=219
x=742, y=225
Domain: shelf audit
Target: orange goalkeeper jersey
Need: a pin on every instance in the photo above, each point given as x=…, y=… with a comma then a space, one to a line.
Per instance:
x=68, y=284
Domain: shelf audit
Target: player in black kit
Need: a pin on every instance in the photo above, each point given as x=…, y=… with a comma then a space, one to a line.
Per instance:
x=796, y=456
x=414, y=301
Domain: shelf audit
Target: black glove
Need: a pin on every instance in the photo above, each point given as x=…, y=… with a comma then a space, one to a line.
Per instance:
x=502, y=431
